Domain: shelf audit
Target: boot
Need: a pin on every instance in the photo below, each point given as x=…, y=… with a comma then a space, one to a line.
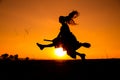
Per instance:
x=82, y=57
x=40, y=46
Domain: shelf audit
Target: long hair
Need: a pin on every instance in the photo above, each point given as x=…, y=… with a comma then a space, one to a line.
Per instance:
x=69, y=19
x=71, y=16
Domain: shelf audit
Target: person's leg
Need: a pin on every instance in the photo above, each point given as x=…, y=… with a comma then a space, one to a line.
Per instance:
x=41, y=46
x=71, y=53
x=87, y=45
x=81, y=55
x=79, y=44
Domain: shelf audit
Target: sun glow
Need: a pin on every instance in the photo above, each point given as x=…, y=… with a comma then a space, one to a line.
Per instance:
x=59, y=52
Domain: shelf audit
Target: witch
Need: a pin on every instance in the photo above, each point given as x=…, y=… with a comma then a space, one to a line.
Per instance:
x=66, y=39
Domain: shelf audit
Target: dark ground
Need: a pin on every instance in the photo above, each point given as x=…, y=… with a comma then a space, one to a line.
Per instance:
x=96, y=69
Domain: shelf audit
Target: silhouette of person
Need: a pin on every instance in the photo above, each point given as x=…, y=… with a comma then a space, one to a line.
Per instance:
x=65, y=38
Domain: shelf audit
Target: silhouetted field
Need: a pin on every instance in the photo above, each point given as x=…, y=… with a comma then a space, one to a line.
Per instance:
x=96, y=69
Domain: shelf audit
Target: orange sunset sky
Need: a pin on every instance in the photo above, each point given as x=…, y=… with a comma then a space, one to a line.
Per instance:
x=25, y=22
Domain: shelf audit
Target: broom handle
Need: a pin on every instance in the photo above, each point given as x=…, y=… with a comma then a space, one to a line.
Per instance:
x=47, y=40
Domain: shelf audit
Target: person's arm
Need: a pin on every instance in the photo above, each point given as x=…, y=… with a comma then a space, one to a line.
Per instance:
x=59, y=35
x=57, y=38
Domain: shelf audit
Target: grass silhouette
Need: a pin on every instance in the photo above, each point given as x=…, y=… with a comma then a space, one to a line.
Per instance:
x=91, y=69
